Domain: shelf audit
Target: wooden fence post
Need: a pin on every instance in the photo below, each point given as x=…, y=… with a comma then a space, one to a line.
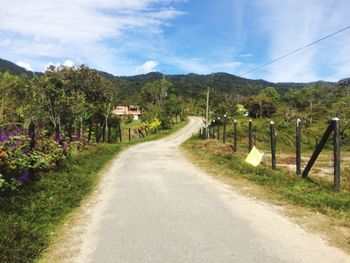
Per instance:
x=298, y=146
x=129, y=134
x=140, y=133
x=318, y=149
x=336, y=151
x=120, y=131
x=218, y=128
x=250, y=135
x=273, y=144
x=254, y=138
x=224, y=133
x=234, y=135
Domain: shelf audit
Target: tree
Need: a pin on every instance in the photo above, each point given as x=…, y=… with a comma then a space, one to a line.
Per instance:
x=172, y=107
x=155, y=92
x=271, y=93
x=260, y=106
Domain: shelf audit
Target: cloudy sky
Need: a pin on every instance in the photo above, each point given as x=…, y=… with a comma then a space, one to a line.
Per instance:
x=127, y=37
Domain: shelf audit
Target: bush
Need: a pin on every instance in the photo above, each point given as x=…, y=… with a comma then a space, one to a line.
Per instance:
x=18, y=162
x=128, y=118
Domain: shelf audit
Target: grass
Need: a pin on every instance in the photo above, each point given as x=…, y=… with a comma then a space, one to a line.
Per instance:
x=279, y=185
x=30, y=217
x=285, y=147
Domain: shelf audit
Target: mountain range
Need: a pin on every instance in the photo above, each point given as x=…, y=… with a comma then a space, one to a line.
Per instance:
x=189, y=85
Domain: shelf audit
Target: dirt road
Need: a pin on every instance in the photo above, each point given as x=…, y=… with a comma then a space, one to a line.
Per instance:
x=154, y=206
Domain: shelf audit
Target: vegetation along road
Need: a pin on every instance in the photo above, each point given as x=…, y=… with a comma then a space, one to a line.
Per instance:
x=154, y=206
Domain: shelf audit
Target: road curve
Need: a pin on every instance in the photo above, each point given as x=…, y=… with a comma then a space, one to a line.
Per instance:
x=154, y=206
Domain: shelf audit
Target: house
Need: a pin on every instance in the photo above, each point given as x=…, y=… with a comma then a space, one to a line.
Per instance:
x=128, y=110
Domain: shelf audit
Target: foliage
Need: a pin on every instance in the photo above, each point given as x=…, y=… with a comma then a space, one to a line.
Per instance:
x=59, y=104
x=271, y=93
x=128, y=118
x=153, y=125
x=260, y=106
x=18, y=162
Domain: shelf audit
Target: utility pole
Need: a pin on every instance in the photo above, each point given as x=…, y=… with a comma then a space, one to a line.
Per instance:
x=207, y=116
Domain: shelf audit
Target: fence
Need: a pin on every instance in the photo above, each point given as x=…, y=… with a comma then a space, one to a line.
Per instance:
x=333, y=127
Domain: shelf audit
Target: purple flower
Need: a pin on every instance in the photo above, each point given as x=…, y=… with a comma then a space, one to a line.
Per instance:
x=25, y=177
x=26, y=151
x=57, y=138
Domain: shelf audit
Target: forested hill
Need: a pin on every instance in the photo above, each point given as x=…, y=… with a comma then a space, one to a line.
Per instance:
x=192, y=85
x=186, y=86
x=11, y=67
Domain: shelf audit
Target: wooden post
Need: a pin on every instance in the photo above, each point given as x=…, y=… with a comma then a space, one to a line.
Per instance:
x=254, y=138
x=318, y=149
x=120, y=131
x=224, y=133
x=129, y=134
x=336, y=150
x=250, y=135
x=273, y=144
x=218, y=129
x=97, y=130
x=103, y=131
x=235, y=136
x=207, y=115
x=140, y=133
x=298, y=146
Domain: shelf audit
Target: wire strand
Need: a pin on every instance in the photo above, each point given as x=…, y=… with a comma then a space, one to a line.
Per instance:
x=294, y=51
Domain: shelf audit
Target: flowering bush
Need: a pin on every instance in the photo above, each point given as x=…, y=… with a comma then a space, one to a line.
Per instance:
x=153, y=125
x=18, y=160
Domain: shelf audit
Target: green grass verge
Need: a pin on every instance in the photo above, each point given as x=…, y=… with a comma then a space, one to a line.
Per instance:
x=30, y=217
x=278, y=184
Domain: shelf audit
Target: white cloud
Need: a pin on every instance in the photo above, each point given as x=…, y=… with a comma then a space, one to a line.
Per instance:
x=25, y=65
x=291, y=24
x=67, y=63
x=72, y=28
x=148, y=66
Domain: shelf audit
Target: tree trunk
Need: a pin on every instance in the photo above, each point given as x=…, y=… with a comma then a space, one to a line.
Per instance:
x=97, y=131
x=103, y=125
x=109, y=134
x=90, y=130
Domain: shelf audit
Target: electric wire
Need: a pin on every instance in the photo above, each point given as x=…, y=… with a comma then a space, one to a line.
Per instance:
x=294, y=51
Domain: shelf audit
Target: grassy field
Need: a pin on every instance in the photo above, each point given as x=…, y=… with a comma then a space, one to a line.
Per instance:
x=281, y=186
x=30, y=217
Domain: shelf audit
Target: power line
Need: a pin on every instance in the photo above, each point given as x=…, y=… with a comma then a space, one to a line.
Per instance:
x=294, y=51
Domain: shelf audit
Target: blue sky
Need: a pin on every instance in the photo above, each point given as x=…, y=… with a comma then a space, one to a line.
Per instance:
x=127, y=37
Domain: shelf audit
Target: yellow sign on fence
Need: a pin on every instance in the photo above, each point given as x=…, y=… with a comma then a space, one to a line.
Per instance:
x=254, y=157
